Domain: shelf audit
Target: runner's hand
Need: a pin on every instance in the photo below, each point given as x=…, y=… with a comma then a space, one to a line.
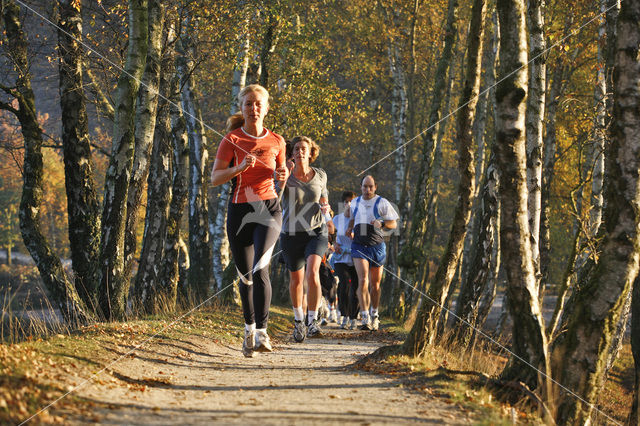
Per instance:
x=377, y=223
x=337, y=248
x=282, y=174
x=248, y=161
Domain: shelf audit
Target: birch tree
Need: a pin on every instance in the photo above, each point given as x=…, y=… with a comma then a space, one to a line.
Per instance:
x=529, y=343
x=82, y=201
x=424, y=328
x=64, y=294
x=199, y=241
x=534, y=122
x=580, y=361
x=145, y=124
x=424, y=178
x=152, y=294
x=169, y=276
x=114, y=285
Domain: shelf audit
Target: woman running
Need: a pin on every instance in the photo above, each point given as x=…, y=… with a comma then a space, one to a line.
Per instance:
x=304, y=236
x=248, y=156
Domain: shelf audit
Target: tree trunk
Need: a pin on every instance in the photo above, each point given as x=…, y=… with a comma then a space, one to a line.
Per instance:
x=199, y=242
x=145, y=124
x=488, y=296
x=534, y=124
x=153, y=295
x=529, y=343
x=114, y=286
x=599, y=132
x=634, y=419
x=479, y=127
x=549, y=160
x=618, y=333
x=474, y=286
x=399, y=106
x=580, y=361
x=425, y=327
x=269, y=42
x=170, y=273
x=429, y=145
x=82, y=202
x=64, y=294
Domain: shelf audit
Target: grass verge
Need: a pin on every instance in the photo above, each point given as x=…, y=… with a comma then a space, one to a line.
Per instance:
x=38, y=371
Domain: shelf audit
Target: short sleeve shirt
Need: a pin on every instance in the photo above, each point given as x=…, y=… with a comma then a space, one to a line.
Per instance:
x=300, y=203
x=363, y=232
x=256, y=183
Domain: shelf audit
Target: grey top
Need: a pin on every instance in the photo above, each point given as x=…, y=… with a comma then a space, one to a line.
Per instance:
x=300, y=203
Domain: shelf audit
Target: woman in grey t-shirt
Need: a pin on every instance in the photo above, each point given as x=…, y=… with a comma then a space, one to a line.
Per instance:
x=304, y=237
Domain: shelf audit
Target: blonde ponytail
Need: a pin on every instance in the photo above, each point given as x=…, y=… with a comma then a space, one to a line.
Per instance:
x=235, y=121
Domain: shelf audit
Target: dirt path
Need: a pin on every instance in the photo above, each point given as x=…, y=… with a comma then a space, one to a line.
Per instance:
x=196, y=381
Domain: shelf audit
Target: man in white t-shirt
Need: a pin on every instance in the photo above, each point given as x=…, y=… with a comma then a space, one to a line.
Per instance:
x=371, y=217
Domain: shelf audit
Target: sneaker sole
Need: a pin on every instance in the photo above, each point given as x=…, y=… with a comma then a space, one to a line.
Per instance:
x=248, y=354
x=263, y=348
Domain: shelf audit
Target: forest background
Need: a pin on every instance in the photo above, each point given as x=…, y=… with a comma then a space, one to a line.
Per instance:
x=386, y=86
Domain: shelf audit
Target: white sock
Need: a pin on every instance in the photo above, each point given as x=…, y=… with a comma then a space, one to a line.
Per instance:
x=374, y=312
x=262, y=331
x=250, y=327
x=312, y=315
x=298, y=313
x=365, y=316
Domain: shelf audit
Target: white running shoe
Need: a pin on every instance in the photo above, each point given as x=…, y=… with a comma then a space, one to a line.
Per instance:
x=299, y=331
x=375, y=323
x=344, y=323
x=314, y=329
x=352, y=324
x=333, y=316
x=263, y=344
x=248, y=344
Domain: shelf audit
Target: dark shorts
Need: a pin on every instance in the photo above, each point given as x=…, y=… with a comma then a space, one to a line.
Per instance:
x=376, y=255
x=297, y=247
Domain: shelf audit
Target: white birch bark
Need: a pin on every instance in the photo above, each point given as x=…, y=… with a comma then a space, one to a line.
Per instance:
x=199, y=238
x=145, y=124
x=580, y=361
x=170, y=276
x=399, y=104
x=424, y=329
x=529, y=343
x=534, y=122
x=114, y=288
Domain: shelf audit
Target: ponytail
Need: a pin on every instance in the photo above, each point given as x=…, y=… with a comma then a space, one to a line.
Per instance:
x=235, y=121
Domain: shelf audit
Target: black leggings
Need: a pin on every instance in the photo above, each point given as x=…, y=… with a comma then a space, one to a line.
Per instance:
x=347, y=296
x=253, y=229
